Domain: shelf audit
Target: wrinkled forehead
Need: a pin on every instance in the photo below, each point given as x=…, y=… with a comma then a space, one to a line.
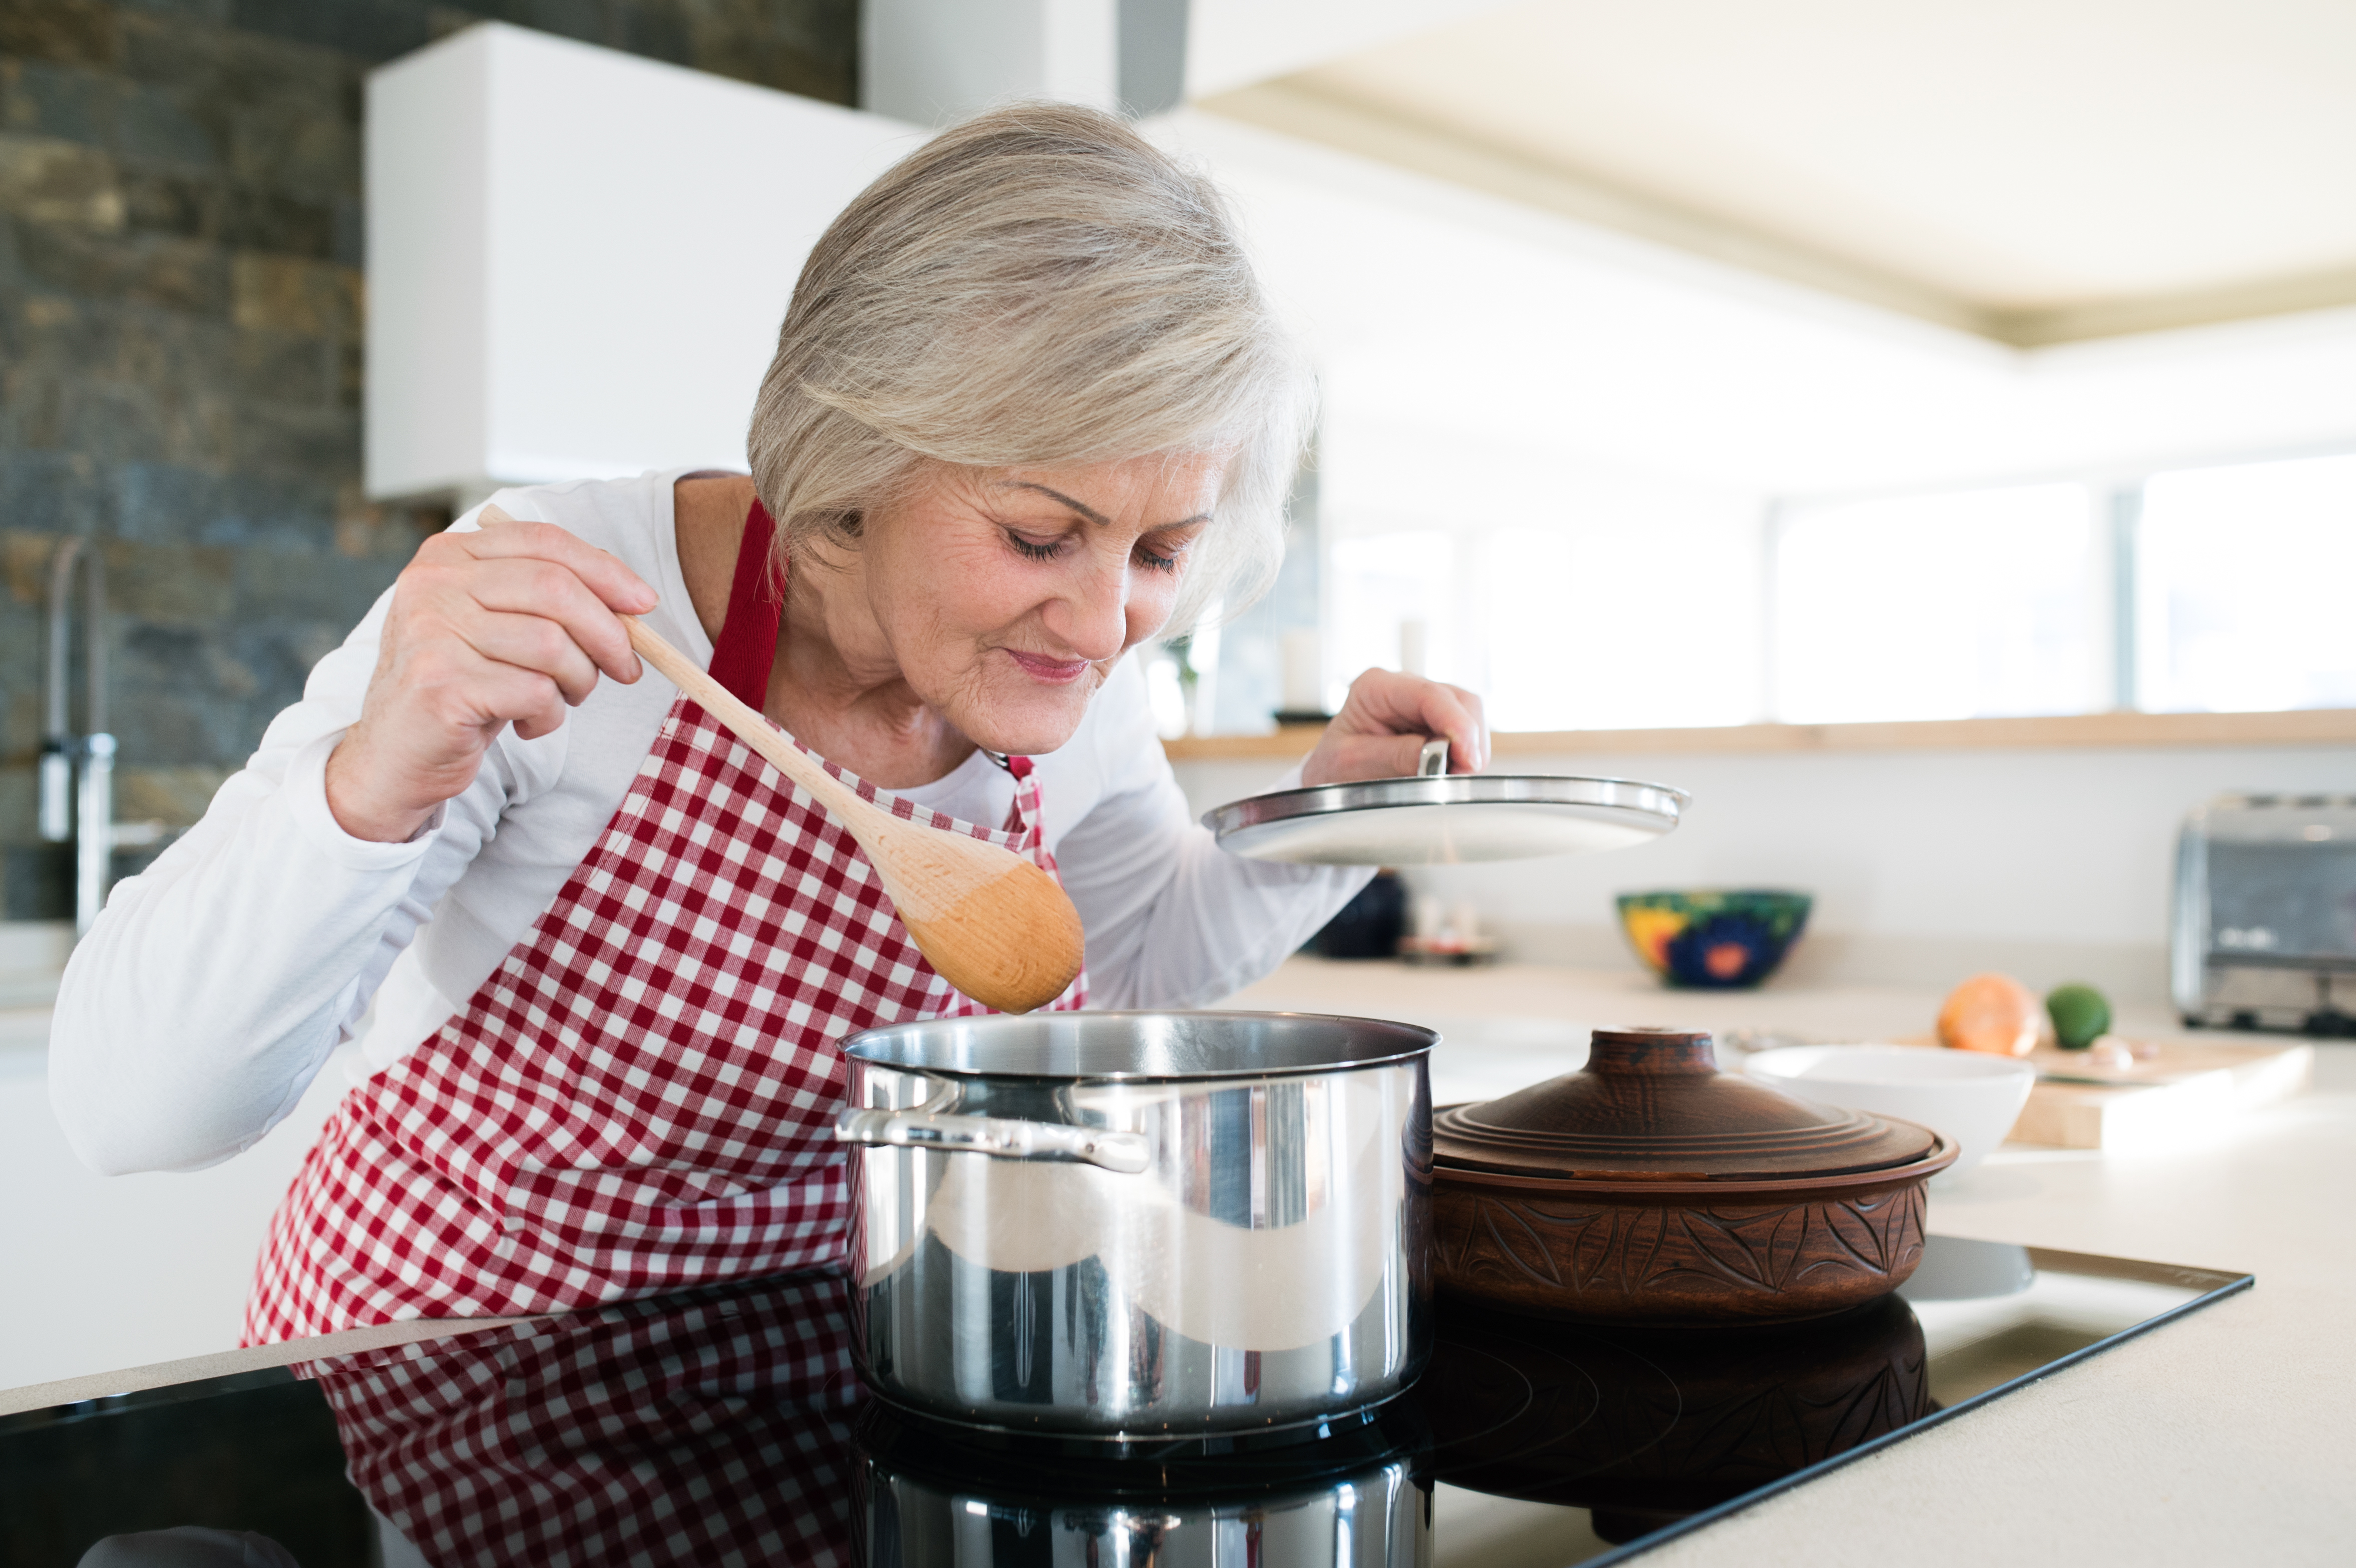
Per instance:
x=1157, y=490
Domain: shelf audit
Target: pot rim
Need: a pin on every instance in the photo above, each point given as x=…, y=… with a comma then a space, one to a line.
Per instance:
x=901, y=1047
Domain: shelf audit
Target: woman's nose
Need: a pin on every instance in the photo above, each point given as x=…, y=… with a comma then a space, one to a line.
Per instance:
x=1092, y=615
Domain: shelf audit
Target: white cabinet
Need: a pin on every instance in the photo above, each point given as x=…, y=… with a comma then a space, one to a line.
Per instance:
x=578, y=260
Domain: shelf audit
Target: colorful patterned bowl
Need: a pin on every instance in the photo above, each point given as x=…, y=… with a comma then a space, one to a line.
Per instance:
x=1713, y=940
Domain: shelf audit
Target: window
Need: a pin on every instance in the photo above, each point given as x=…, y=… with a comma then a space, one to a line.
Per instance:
x=1936, y=607
x=2244, y=578
x=1639, y=622
x=1574, y=601
x=1639, y=608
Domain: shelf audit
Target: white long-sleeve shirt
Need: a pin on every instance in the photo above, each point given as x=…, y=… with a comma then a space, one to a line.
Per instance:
x=214, y=986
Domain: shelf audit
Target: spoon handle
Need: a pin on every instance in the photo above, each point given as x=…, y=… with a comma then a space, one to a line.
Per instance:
x=741, y=720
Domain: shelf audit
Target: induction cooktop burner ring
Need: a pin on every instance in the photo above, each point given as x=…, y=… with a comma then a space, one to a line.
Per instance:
x=1125, y=1447
x=1391, y=1432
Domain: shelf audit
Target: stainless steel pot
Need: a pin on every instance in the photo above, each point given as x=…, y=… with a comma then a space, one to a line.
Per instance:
x=1134, y=1226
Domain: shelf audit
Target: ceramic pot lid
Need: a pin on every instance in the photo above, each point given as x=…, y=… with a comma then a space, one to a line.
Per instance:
x=1437, y=818
x=1651, y=1105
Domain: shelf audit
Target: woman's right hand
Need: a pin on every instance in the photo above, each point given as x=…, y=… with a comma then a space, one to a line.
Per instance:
x=506, y=626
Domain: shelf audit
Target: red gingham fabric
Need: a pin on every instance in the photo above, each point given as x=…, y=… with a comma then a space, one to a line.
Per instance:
x=712, y=1428
x=642, y=1096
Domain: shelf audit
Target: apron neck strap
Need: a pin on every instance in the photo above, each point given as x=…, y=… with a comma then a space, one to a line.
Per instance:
x=756, y=607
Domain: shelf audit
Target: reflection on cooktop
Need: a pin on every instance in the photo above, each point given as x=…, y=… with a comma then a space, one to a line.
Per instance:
x=1643, y=1429
x=726, y=1426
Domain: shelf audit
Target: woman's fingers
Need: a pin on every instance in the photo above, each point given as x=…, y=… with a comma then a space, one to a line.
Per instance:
x=1384, y=701
x=1453, y=711
x=504, y=625
x=502, y=537
x=537, y=568
x=1380, y=731
x=500, y=693
x=536, y=644
x=1356, y=756
x=513, y=568
x=537, y=589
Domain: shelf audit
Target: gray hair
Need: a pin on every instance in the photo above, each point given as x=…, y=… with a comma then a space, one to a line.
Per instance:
x=1037, y=285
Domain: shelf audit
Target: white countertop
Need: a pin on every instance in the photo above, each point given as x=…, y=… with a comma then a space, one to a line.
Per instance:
x=2225, y=1437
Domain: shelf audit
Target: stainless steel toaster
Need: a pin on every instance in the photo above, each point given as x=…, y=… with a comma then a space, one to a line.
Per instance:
x=2266, y=914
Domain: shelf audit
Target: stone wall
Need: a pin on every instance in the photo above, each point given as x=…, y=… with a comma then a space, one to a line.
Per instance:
x=181, y=301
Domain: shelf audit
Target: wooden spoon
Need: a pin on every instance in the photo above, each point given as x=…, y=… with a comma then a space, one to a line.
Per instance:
x=991, y=923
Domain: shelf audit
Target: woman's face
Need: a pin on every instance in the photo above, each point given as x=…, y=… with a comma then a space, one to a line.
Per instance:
x=1006, y=596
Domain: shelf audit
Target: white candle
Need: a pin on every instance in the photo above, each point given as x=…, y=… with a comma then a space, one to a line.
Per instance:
x=1413, y=634
x=1305, y=673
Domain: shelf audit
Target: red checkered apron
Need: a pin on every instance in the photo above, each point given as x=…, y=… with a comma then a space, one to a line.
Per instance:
x=641, y=1097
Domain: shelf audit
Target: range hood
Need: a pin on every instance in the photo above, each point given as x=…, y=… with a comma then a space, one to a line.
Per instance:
x=578, y=259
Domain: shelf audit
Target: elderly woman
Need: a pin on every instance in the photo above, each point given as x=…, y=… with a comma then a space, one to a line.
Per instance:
x=1028, y=409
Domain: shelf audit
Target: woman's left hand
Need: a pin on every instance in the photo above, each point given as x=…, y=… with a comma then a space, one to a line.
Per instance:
x=1380, y=731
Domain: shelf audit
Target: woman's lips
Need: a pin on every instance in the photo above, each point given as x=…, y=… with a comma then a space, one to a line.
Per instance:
x=1057, y=671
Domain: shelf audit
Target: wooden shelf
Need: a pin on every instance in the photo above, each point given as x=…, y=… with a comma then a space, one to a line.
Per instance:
x=2308, y=727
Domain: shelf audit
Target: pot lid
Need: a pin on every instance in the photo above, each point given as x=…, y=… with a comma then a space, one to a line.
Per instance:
x=1437, y=818
x=1651, y=1105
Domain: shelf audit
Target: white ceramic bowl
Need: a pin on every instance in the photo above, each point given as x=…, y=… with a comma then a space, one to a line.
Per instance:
x=1971, y=1097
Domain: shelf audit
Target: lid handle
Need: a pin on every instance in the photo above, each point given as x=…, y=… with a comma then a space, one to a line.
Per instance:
x=1652, y=1052
x=1434, y=762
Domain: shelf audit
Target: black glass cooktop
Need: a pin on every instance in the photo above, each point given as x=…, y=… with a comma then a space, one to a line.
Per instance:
x=726, y=1426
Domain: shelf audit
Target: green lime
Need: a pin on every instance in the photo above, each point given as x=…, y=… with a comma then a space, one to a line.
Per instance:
x=2080, y=1014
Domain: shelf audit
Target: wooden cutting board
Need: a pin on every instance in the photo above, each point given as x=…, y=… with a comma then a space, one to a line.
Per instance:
x=2184, y=1093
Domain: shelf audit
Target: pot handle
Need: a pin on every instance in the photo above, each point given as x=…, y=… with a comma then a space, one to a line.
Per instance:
x=1001, y=1137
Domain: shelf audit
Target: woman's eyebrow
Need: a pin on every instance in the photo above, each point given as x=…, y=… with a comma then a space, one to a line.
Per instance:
x=1090, y=512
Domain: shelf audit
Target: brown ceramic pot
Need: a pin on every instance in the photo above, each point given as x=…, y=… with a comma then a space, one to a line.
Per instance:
x=1651, y=1187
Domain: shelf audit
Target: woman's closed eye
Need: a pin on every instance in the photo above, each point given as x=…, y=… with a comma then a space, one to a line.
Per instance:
x=1035, y=549
x=1165, y=550
x=1153, y=555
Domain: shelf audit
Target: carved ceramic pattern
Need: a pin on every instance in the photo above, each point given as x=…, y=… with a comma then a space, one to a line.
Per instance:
x=1613, y=1250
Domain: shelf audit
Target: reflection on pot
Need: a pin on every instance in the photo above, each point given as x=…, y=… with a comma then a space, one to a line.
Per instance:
x=1645, y=1427
x=925, y=1499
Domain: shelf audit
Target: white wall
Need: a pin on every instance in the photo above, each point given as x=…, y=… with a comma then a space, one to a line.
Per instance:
x=1927, y=865
x=98, y=1273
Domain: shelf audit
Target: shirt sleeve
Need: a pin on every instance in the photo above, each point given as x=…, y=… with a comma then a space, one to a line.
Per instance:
x=212, y=988
x=1172, y=920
